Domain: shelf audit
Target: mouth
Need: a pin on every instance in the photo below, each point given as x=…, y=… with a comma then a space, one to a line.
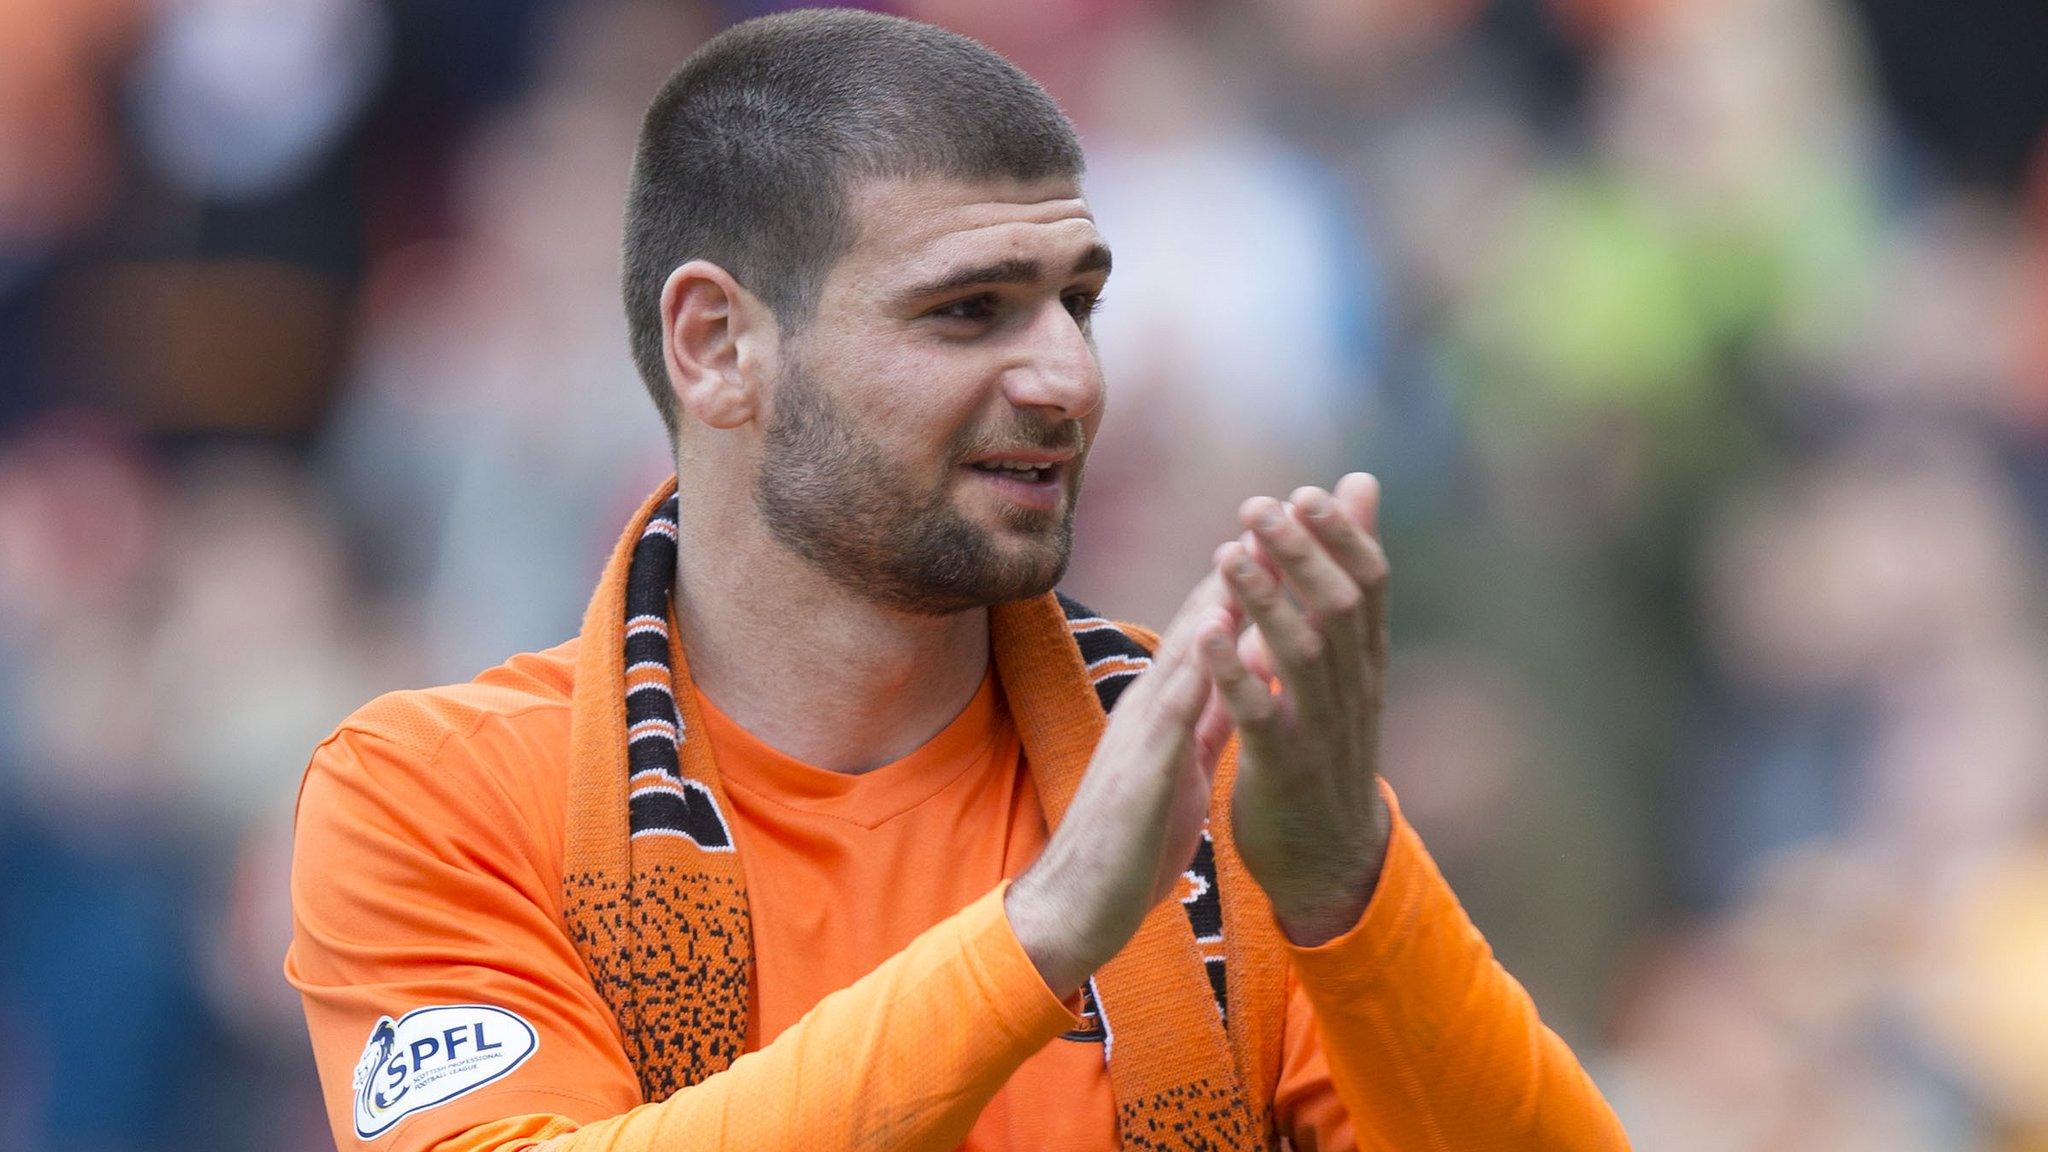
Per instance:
x=1030, y=479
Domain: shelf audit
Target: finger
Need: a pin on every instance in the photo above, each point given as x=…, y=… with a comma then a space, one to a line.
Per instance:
x=1243, y=695
x=1358, y=494
x=1214, y=727
x=1251, y=643
x=1179, y=686
x=1253, y=650
x=1351, y=547
x=1326, y=592
x=1250, y=540
x=1358, y=507
x=1212, y=732
x=1329, y=599
x=1296, y=646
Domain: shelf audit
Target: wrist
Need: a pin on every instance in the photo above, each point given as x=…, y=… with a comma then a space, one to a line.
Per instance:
x=1331, y=899
x=1051, y=934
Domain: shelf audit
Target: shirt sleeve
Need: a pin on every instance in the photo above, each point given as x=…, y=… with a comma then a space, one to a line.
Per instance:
x=1405, y=1032
x=865, y=1068
x=417, y=897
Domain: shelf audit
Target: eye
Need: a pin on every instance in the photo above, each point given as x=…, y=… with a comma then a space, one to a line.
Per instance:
x=981, y=307
x=1082, y=305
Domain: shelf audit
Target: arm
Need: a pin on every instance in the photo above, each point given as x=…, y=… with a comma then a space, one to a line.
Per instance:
x=1407, y=1029
x=864, y=1068
x=1430, y=1044
x=414, y=886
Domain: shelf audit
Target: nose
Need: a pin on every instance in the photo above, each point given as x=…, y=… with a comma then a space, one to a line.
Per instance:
x=1058, y=371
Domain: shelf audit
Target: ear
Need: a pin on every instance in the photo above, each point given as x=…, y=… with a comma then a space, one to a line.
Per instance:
x=719, y=342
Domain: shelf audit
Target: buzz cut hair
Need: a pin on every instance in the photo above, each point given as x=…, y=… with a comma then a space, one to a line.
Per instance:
x=747, y=154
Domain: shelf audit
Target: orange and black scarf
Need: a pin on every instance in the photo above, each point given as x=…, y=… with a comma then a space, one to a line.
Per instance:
x=656, y=903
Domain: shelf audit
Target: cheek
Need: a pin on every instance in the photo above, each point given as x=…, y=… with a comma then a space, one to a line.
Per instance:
x=916, y=400
x=928, y=409
x=913, y=434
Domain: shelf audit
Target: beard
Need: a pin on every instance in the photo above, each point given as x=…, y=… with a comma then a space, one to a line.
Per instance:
x=832, y=494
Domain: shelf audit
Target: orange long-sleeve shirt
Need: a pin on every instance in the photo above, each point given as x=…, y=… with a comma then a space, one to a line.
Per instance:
x=893, y=1007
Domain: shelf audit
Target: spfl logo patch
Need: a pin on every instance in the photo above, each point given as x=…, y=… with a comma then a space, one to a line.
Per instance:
x=432, y=1055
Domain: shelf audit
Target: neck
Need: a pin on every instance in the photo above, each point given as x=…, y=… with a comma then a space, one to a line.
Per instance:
x=805, y=665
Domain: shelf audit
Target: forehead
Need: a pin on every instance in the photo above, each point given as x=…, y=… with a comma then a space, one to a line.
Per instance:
x=908, y=230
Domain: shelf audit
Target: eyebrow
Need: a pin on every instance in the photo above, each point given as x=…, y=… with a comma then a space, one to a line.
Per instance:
x=1016, y=270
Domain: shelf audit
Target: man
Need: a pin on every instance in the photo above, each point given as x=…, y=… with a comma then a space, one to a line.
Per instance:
x=817, y=836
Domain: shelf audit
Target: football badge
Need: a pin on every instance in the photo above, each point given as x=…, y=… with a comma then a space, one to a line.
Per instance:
x=430, y=1056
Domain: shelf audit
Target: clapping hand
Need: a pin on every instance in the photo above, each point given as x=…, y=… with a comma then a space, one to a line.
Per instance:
x=1303, y=681
x=1286, y=641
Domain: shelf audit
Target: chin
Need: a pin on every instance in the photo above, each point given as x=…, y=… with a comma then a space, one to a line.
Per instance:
x=1033, y=565
x=1031, y=527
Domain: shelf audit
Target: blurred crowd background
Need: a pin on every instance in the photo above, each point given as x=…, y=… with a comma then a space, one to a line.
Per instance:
x=1702, y=346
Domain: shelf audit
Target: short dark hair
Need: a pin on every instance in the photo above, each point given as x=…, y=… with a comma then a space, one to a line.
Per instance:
x=746, y=154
